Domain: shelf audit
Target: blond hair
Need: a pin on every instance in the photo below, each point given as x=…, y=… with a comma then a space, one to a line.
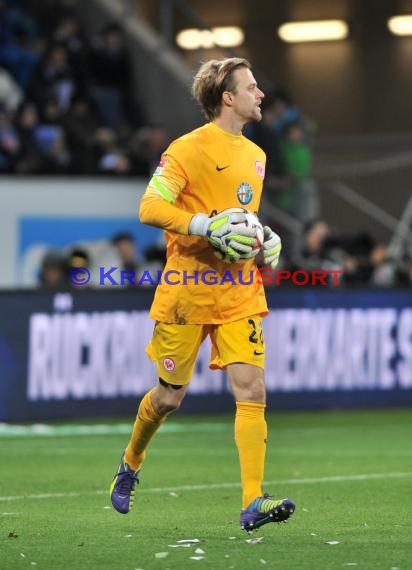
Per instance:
x=213, y=78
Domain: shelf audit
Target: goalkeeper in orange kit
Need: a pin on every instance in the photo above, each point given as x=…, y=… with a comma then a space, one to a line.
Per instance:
x=210, y=170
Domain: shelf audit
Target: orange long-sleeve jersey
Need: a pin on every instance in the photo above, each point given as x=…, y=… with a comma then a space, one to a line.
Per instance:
x=204, y=171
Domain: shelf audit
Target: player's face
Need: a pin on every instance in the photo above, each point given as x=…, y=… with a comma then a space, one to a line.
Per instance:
x=247, y=97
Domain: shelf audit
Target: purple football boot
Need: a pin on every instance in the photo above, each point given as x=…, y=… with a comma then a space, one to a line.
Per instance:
x=122, y=487
x=264, y=510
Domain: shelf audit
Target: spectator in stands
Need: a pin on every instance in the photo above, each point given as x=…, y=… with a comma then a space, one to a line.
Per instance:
x=77, y=258
x=296, y=153
x=50, y=141
x=55, y=78
x=10, y=93
x=317, y=249
x=15, y=22
x=53, y=273
x=80, y=124
x=125, y=245
x=30, y=161
x=67, y=34
x=111, y=158
x=111, y=76
x=51, y=12
x=284, y=112
x=18, y=53
x=369, y=263
x=357, y=259
x=9, y=142
x=154, y=262
x=146, y=148
x=299, y=196
x=385, y=270
x=60, y=129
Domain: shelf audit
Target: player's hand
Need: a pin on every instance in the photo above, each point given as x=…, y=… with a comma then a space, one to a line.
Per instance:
x=226, y=234
x=271, y=247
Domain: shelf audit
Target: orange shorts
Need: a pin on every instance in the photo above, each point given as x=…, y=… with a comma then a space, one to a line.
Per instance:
x=175, y=347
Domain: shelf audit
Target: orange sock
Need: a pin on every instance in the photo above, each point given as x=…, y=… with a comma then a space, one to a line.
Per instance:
x=250, y=438
x=147, y=423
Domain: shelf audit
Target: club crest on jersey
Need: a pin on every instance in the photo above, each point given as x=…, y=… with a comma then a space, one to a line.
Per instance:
x=260, y=169
x=161, y=165
x=245, y=193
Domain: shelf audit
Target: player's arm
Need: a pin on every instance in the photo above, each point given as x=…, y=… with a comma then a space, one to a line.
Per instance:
x=158, y=208
x=155, y=211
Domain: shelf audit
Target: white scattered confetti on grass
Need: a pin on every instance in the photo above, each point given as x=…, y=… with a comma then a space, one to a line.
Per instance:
x=313, y=534
x=310, y=481
x=186, y=545
x=190, y=540
x=173, y=494
x=263, y=561
x=128, y=536
x=197, y=558
x=161, y=554
x=232, y=537
x=199, y=551
x=227, y=556
x=350, y=564
x=254, y=540
x=33, y=563
x=22, y=555
x=305, y=510
x=107, y=508
x=333, y=542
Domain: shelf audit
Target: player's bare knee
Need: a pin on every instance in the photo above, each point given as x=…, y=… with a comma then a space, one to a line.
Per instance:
x=254, y=392
x=166, y=408
x=258, y=394
x=248, y=384
x=167, y=397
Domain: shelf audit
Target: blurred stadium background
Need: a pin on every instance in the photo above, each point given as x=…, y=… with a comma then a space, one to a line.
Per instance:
x=91, y=93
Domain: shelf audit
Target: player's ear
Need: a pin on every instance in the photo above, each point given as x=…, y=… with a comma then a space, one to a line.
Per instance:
x=227, y=98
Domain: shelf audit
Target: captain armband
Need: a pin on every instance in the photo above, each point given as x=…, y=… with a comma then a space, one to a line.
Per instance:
x=162, y=190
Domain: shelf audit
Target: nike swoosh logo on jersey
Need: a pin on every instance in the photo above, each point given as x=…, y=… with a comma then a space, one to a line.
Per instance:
x=219, y=168
x=255, y=352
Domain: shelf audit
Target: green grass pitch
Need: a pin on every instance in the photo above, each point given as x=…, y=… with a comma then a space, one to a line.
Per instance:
x=350, y=474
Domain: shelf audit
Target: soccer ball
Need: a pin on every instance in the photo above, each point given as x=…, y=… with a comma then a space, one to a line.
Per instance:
x=253, y=222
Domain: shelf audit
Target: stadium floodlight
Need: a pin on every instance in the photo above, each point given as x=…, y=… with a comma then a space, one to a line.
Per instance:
x=223, y=36
x=195, y=39
x=228, y=36
x=313, y=31
x=400, y=25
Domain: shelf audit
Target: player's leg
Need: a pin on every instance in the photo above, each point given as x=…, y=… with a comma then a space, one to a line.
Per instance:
x=155, y=406
x=174, y=348
x=248, y=388
x=239, y=347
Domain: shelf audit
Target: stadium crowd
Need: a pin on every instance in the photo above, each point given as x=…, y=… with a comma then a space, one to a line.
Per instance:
x=65, y=97
x=360, y=261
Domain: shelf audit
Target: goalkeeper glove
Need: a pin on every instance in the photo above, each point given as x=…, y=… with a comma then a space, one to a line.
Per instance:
x=226, y=233
x=271, y=247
